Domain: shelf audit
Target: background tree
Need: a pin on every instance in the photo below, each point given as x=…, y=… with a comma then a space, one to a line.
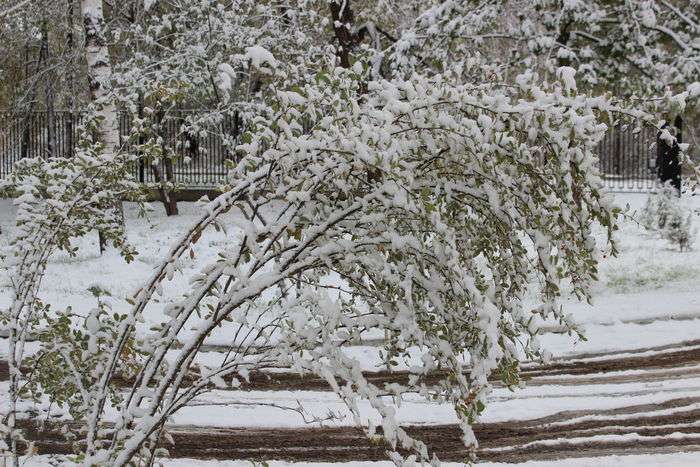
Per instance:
x=382, y=149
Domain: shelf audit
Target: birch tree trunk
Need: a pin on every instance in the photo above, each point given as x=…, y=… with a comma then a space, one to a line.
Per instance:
x=343, y=19
x=99, y=72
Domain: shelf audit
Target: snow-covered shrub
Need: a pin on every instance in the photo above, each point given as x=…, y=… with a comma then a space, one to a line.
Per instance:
x=70, y=355
x=430, y=203
x=655, y=36
x=57, y=200
x=657, y=208
x=434, y=200
x=665, y=216
x=679, y=229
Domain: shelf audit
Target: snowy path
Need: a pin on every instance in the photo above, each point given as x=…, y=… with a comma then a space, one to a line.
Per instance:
x=670, y=426
x=641, y=401
x=655, y=363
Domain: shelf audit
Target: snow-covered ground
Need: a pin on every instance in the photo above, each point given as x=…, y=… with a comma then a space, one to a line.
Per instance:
x=665, y=460
x=648, y=296
x=668, y=460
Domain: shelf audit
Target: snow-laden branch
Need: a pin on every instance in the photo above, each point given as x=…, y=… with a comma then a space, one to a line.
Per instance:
x=422, y=205
x=7, y=11
x=396, y=196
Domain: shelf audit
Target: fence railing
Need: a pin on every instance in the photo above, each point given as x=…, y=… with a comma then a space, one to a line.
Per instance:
x=627, y=159
x=198, y=158
x=35, y=134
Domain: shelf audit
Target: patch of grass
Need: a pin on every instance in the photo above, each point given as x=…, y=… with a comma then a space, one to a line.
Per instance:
x=647, y=276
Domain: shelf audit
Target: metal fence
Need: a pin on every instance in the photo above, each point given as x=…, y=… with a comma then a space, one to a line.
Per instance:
x=627, y=159
x=35, y=134
x=198, y=157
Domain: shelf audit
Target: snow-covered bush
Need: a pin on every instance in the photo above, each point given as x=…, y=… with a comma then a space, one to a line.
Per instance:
x=656, y=209
x=632, y=47
x=432, y=203
x=679, y=229
x=665, y=215
x=57, y=200
x=417, y=190
x=71, y=355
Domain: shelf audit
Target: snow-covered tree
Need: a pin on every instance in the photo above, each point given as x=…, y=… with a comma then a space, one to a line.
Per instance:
x=432, y=203
x=57, y=200
x=638, y=46
x=390, y=178
x=665, y=215
x=192, y=56
x=41, y=56
x=99, y=75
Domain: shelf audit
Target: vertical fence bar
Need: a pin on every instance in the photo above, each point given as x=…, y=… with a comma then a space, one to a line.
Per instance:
x=36, y=124
x=210, y=150
x=628, y=157
x=633, y=162
x=3, y=146
x=14, y=143
x=637, y=163
x=34, y=136
x=42, y=135
x=38, y=128
x=11, y=151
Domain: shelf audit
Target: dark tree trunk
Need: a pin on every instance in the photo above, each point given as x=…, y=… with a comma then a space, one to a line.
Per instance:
x=70, y=102
x=341, y=14
x=48, y=92
x=563, y=39
x=164, y=176
x=166, y=196
x=348, y=39
x=668, y=157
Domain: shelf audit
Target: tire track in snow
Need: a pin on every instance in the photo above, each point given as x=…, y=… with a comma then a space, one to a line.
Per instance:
x=656, y=364
x=671, y=425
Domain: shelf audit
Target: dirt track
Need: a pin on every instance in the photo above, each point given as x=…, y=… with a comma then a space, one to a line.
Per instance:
x=344, y=444
x=660, y=362
x=631, y=429
x=503, y=442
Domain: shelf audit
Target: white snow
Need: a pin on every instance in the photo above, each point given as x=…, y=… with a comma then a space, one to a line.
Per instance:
x=680, y=459
x=648, y=296
x=566, y=75
x=259, y=55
